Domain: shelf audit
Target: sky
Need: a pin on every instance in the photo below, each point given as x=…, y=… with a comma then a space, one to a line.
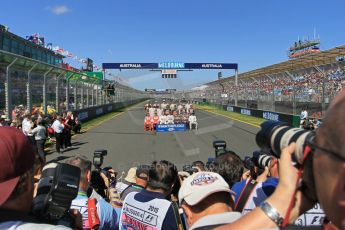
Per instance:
x=252, y=33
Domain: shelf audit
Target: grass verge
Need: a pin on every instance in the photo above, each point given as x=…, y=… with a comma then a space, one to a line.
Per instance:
x=254, y=121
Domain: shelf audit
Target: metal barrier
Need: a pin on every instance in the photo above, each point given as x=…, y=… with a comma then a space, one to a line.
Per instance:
x=30, y=84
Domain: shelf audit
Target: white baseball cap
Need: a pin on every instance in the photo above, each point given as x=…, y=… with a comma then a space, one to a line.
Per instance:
x=200, y=185
x=131, y=175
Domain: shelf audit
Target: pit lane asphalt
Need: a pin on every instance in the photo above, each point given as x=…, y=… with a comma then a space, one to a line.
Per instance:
x=128, y=145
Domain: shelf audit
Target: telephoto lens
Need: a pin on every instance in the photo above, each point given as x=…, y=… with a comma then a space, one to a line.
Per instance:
x=275, y=136
x=264, y=161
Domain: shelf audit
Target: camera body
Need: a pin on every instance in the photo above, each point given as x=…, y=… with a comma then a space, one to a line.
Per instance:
x=220, y=147
x=189, y=169
x=275, y=136
x=98, y=157
x=57, y=188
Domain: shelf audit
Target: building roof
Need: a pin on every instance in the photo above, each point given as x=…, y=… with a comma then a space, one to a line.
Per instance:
x=304, y=62
x=27, y=42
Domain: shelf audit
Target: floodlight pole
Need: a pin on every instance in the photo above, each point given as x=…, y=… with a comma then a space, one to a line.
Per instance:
x=57, y=93
x=28, y=88
x=82, y=95
x=236, y=87
x=67, y=91
x=75, y=94
x=45, y=90
x=8, y=89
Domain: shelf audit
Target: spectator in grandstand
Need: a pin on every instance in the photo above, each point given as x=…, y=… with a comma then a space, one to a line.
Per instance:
x=328, y=175
x=17, y=182
x=207, y=201
x=141, y=178
x=230, y=166
x=40, y=134
x=192, y=121
x=58, y=128
x=162, y=177
x=108, y=216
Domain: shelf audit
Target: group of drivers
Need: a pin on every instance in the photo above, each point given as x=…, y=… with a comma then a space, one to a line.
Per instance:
x=182, y=113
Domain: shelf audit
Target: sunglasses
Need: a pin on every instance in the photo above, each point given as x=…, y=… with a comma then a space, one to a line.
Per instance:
x=334, y=154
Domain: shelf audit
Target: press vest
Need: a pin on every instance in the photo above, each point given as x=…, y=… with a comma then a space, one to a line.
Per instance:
x=143, y=215
x=81, y=205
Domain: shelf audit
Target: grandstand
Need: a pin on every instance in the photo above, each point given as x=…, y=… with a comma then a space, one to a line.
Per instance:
x=32, y=76
x=286, y=87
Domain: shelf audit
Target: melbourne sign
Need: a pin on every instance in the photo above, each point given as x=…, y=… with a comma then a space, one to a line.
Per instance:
x=270, y=116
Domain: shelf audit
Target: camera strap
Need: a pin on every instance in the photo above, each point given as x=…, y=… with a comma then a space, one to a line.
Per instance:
x=177, y=216
x=245, y=194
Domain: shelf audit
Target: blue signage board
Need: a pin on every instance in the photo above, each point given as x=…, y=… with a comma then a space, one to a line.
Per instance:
x=211, y=65
x=171, y=128
x=129, y=65
x=170, y=65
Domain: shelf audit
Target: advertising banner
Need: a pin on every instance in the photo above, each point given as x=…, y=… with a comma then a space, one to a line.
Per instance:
x=171, y=128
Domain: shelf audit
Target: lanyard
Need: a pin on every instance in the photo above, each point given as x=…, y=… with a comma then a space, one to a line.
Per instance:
x=81, y=193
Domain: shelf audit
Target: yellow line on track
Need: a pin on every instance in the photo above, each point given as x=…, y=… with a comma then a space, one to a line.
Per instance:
x=231, y=118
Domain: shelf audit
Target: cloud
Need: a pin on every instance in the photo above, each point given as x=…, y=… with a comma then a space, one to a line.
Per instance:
x=57, y=10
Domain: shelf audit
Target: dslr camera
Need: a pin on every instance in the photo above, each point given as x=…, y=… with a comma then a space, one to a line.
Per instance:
x=275, y=136
x=219, y=147
x=57, y=188
x=98, y=157
x=97, y=181
x=257, y=163
x=189, y=169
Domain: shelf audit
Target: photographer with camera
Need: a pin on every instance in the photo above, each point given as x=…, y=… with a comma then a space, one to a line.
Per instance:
x=96, y=212
x=315, y=159
x=259, y=181
x=160, y=212
x=141, y=178
x=17, y=182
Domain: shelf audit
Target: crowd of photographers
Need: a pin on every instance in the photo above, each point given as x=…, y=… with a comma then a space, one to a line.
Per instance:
x=296, y=180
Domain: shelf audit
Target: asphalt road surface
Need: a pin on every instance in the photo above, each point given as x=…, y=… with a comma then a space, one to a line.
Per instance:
x=128, y=145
